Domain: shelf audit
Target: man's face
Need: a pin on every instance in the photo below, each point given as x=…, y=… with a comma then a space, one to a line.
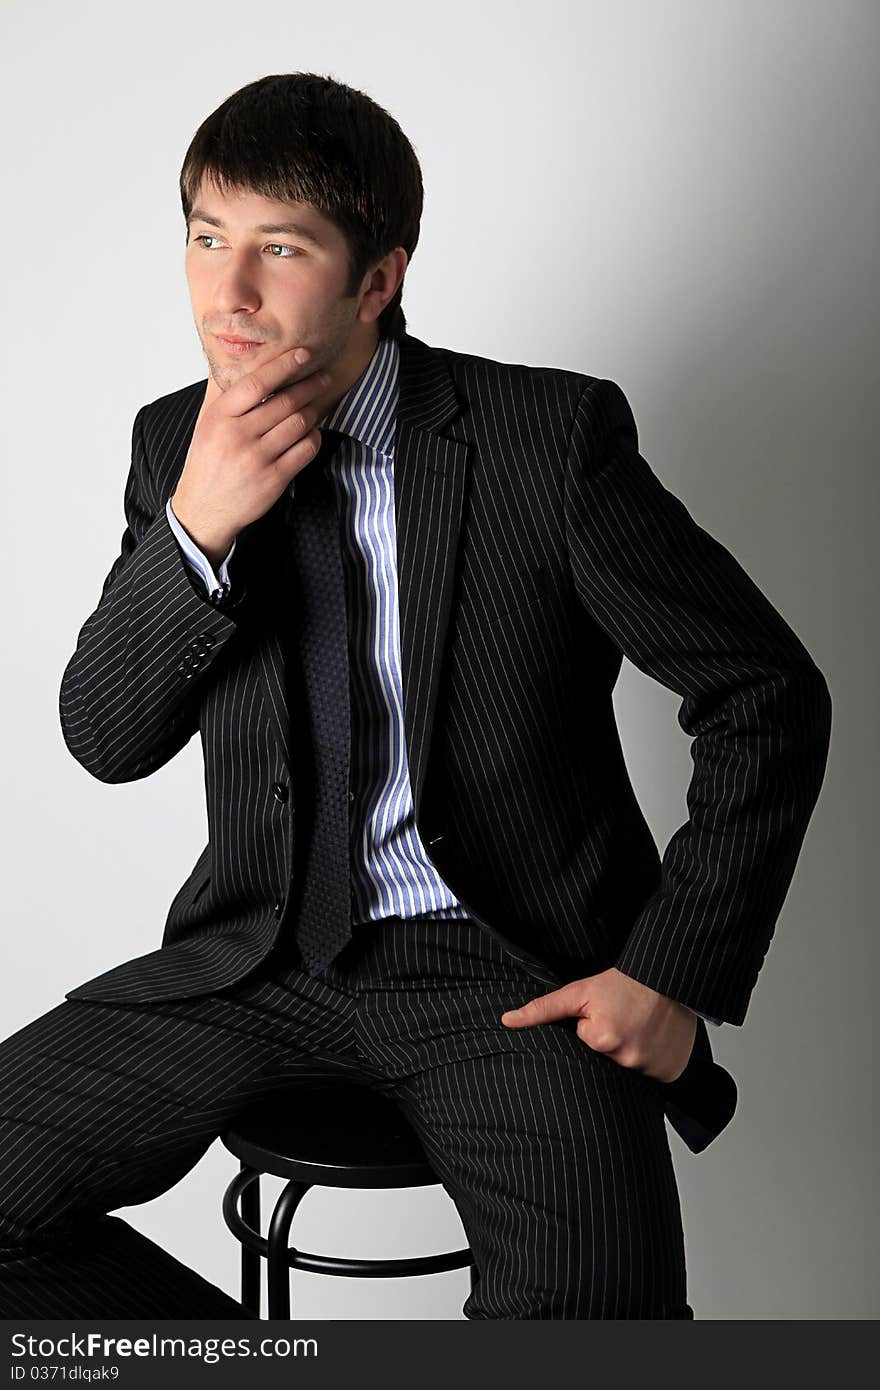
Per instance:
x=281, y=288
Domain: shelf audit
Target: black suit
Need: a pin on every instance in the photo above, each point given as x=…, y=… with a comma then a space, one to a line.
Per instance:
x=535, y=548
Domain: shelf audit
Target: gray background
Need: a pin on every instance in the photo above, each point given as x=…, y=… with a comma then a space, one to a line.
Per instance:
x=680, y=196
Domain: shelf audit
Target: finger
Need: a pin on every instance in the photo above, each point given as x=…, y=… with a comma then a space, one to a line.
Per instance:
x=294, y=458
x=609, y=1046
x=559, y=1003
x=292, y=404
x=254, y=386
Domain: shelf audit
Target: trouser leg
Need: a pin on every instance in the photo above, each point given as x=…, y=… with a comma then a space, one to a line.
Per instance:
x=556, y=1156
x=563, y=1178
x=105, y=1105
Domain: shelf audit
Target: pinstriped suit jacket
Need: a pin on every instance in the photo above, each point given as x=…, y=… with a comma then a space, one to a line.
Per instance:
x=536, y=547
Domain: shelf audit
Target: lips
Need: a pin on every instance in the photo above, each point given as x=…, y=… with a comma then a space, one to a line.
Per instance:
x=238, y=347
x=227, y=338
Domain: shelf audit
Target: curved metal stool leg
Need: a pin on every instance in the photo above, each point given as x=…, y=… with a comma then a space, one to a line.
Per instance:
x=277, y=1262
x=241, y=1212
x=250, y=1259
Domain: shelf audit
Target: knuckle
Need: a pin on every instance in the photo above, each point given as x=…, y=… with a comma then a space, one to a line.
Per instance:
x=256, y=387
x=305, y=448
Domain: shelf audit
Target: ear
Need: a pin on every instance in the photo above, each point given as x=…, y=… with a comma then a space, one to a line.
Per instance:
x=382, y=282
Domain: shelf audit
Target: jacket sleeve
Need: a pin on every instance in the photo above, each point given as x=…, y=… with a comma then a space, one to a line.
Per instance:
x=757, y=707
x=130, y=693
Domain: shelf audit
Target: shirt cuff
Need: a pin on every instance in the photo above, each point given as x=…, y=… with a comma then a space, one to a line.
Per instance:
x=197, y=561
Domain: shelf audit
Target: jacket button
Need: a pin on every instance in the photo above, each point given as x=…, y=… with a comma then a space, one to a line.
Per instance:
x=279, y=906
x=351, y=796
x=279, y=790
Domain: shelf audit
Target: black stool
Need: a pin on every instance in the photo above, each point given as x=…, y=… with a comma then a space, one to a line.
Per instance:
x=337, y=1134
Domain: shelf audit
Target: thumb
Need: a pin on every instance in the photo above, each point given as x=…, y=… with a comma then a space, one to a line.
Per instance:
x=559, y=1003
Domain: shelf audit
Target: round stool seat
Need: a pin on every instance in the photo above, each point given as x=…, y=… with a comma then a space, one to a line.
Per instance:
x=335, y=1134
x=327, y=1133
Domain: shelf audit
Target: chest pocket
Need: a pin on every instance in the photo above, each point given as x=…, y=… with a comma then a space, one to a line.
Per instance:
x=492, y=598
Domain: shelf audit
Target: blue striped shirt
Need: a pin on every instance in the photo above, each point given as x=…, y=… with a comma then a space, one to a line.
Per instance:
x=391, y=872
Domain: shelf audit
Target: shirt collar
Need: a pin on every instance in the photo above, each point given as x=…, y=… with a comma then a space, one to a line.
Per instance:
x=368, y=410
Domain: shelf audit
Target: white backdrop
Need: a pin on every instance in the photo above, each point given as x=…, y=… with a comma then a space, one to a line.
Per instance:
x=681, y=196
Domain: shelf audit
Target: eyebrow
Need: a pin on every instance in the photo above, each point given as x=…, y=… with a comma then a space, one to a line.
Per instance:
x=294, y=228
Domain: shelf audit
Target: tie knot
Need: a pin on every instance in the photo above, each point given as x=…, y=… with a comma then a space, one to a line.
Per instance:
x=315, y=478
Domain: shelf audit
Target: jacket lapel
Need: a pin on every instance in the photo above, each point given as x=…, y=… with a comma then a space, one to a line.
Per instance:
x=430, y=474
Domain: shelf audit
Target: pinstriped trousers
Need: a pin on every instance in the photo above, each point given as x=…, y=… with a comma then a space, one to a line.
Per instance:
x=556, y=1157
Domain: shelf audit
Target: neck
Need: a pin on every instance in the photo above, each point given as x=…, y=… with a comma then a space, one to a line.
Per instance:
x=346, y=369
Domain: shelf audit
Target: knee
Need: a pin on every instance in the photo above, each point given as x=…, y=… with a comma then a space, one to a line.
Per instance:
x=33, y=1184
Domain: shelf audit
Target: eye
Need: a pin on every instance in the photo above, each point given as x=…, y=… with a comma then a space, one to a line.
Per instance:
x=206, y=236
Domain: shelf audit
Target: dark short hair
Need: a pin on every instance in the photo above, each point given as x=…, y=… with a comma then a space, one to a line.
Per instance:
x=305, y=138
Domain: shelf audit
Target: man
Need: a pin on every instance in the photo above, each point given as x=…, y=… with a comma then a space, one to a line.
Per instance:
x=426, y=868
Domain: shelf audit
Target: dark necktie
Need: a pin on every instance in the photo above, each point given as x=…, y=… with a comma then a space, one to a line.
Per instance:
x=322, y=916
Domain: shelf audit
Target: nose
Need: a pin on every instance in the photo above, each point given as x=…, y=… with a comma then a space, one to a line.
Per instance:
x=235, y=292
